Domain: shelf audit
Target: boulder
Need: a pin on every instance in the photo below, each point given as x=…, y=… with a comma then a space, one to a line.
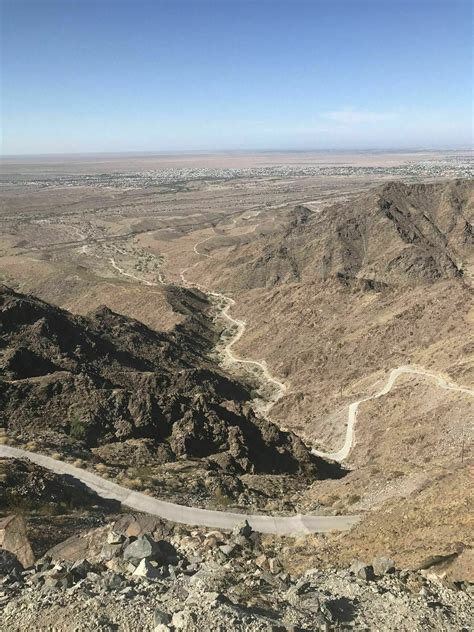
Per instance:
x=160, y=617
x=78, y=547
x=362, y=570
x=135, y=525
x=144, y=547
x=383, y=565
x=13, y=538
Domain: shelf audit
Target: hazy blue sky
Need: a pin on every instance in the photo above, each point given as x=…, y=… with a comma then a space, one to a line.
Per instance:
x=139, y=75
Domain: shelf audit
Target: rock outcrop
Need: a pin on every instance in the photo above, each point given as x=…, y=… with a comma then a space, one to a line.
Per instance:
x=104, y=380
x=394, y=235
x=14, y=538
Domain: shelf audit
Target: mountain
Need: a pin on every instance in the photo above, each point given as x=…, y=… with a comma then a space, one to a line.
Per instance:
x=109, y=384
x=396, y=234
x=337, y=301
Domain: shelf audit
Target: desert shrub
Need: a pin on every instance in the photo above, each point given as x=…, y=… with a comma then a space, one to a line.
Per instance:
x=77, y=428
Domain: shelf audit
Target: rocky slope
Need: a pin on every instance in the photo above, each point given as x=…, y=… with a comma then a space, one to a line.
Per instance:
x=341, y=296
x=106, y=388
x=139, y=573
x=333, y=304
x=26, y=486
x=396, y=234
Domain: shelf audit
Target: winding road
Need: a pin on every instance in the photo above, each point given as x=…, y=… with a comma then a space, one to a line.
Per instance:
x=278, y=525
x=279, y=388
x=441, y=381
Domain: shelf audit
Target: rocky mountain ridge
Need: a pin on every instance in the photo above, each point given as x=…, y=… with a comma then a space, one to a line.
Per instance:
x=393, y=235
x=107, y=387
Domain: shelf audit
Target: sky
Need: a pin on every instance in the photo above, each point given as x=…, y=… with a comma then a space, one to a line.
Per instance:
x=183, y=75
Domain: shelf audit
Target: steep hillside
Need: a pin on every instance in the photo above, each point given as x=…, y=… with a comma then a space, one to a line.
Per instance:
x=338, y=299
x=396, y=234
x=106, y=387
x=333, y=304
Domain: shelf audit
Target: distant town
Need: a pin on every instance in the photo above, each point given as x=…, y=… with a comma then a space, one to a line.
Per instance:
x=459, y=166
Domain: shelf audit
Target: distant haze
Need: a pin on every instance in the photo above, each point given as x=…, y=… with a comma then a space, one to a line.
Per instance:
x=103, y=76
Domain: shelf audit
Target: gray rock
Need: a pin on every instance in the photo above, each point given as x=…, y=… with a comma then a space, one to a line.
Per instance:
x=112, y=581
x=115, y=538
x=161, y=617
x=109, y=551
x=227, y=549
x=362, y=570
x=383, y=565
x=144, y=547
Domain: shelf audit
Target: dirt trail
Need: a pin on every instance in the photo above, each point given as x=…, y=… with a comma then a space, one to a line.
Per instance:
x=224, y=304
x=348, y=444
x=278, y=389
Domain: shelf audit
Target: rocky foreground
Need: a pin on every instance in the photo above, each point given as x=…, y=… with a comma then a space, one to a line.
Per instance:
x=138, y=573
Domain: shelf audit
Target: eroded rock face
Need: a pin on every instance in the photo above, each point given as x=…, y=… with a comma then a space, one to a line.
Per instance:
x=13, y=538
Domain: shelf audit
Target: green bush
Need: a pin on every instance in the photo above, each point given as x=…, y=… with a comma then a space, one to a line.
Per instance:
x=77, y=428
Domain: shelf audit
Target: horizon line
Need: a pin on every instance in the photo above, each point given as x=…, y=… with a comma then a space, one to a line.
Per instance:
x=287, y=150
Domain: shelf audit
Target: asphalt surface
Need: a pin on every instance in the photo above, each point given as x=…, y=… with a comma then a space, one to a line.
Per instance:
x=193, y=516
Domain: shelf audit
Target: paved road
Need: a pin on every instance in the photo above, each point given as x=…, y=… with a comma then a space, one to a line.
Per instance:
x=187, y=515
x=441, y=381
